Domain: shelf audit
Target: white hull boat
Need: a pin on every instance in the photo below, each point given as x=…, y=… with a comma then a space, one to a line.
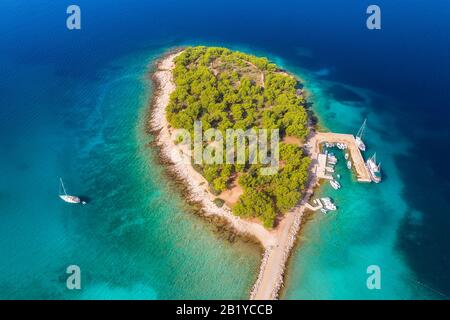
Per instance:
x=349, y=164
x=328, y=204
x=374, y=169
x=68, y=198
x=336, y=185
x=359, y=136
x=360, y=144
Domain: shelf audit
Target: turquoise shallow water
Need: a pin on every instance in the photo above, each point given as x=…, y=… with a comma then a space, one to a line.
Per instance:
x=71, y=106
x=135, y=238
x=364, y=229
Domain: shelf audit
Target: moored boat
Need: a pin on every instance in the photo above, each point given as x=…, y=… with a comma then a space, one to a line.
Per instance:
x=68, y=198
x=332, y=159
x=359, y=136
x=328, y=204
x=374, y=169
x=336, y=185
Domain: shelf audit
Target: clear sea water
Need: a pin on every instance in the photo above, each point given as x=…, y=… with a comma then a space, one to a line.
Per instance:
x=72, y=104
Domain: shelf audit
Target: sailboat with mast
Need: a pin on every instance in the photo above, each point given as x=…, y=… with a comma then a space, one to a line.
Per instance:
x=374, y=168
x=359, y=136
x=68, y=198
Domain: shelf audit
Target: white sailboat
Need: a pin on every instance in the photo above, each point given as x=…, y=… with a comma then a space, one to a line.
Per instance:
x=374, y=169
x=359, y=136
x=68, y=198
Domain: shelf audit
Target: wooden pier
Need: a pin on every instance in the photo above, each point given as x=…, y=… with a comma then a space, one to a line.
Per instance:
x=362, y=173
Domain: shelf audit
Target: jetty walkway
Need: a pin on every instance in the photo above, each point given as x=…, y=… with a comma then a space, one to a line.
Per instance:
x=362, y=173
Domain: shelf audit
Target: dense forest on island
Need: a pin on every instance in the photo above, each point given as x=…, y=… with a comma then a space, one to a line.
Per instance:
x=227, y=89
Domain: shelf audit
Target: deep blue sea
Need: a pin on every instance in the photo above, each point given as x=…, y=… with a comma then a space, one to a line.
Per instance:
x=73, y=105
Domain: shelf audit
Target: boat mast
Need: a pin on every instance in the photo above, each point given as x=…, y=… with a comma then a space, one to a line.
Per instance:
x=361, y=130
x=62, y=185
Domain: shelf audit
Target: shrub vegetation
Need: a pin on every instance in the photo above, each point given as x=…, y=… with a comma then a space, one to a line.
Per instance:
x=227, y=89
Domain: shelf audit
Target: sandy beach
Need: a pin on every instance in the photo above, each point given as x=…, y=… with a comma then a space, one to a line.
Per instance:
x=277, y=242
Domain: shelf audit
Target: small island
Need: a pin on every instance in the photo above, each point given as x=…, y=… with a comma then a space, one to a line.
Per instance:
x=223, y=90
x=226, y=89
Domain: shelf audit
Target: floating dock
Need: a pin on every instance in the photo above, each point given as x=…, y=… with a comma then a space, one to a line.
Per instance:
x=321, y=171
x=318, y=206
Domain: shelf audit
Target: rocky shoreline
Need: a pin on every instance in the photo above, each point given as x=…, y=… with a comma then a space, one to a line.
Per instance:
x=277, y=242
